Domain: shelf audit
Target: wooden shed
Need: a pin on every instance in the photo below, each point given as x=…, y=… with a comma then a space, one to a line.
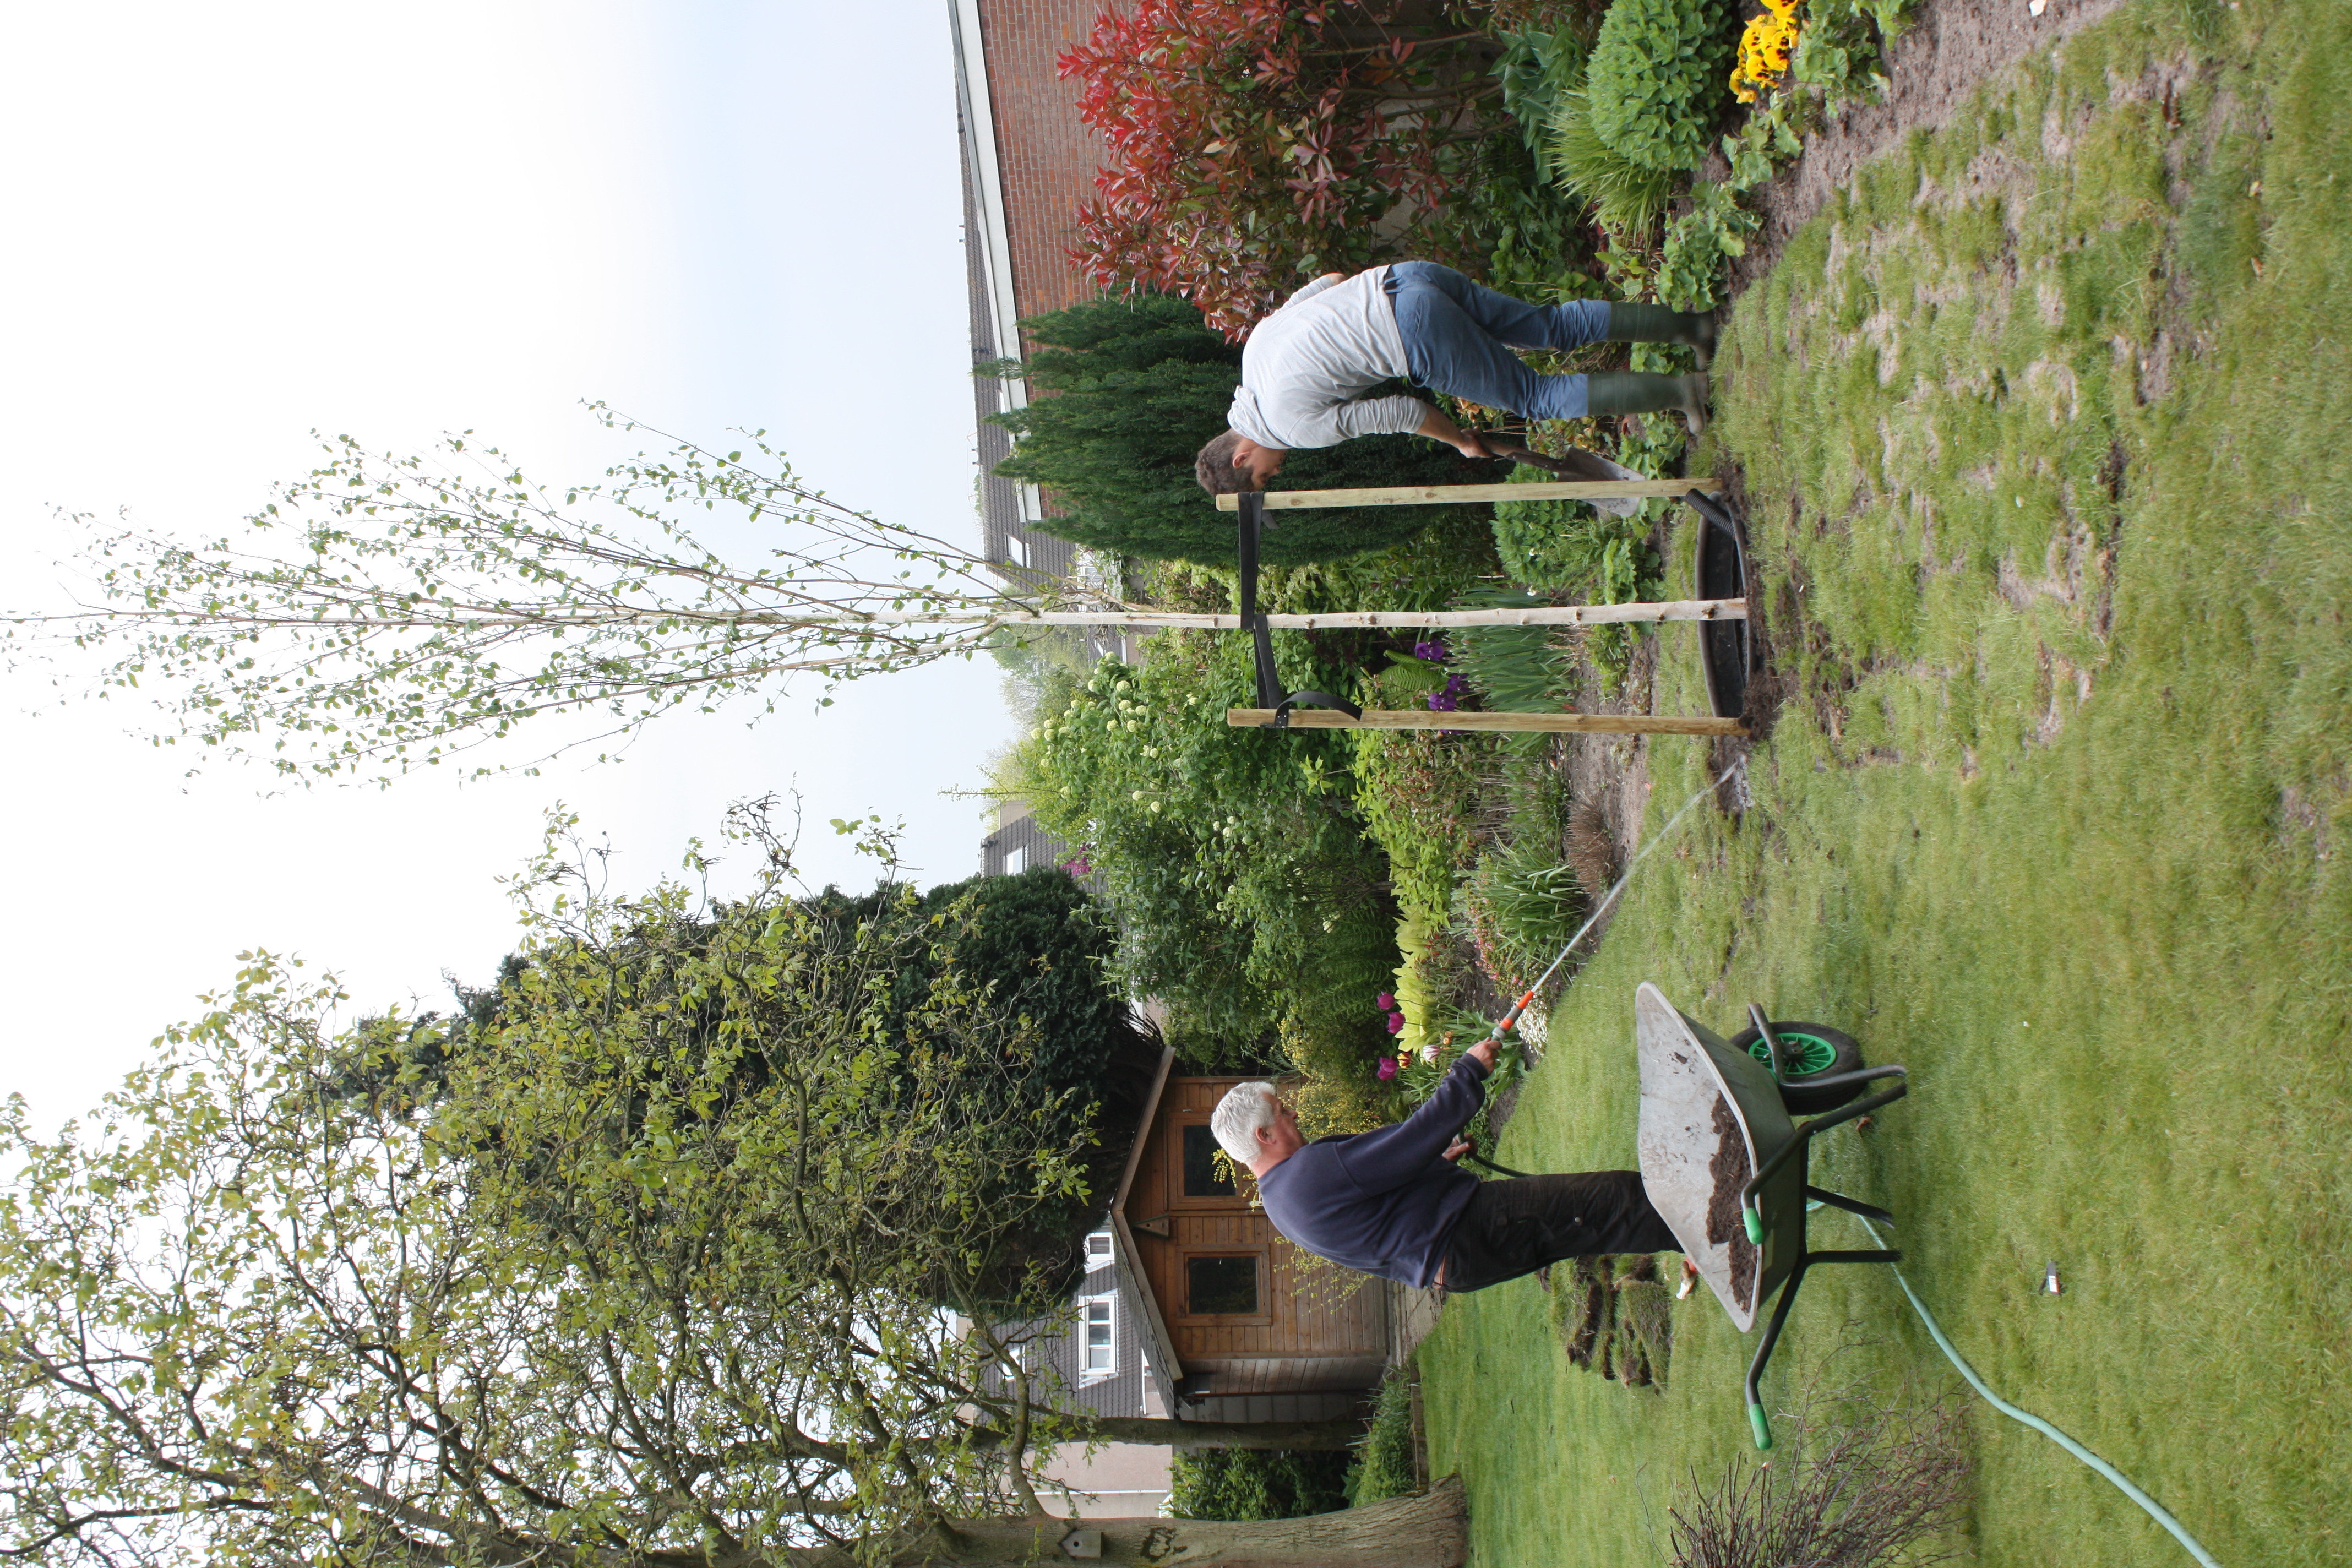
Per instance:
x=1243, y=1326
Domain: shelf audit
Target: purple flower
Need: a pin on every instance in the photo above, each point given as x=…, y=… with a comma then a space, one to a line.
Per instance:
x=1447, y=700
x=1433, y=651
x=1387, y=1068
x=1396, y=1023
x=1384, y=1001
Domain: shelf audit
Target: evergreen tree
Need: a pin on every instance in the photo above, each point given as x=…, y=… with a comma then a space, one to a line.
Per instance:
x=1133, y=386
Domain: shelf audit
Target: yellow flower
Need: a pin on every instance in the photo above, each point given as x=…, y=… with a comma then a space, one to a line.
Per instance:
x=1764, y=48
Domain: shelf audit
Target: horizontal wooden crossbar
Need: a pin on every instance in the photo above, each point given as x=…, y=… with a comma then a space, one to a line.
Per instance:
x=1437, y=495
x=1424, y=719
x=1536, y=615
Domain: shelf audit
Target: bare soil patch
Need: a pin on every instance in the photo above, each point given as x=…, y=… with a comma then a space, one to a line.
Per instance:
x=1949, y=47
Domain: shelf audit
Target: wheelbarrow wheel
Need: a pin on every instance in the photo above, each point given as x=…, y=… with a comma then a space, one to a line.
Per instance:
x=1809, y=1051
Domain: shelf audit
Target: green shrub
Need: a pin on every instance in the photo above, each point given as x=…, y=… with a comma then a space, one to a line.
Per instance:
x=1659, y=77
x=1699, y=242
x=1625, y=197
x=1514, y=670
x=1536, y=67
x=1384, y=1464
x=1255, y=1483
x=1521, y=904
x=1236, y=860
x=1564, y=546
x=1419, y=793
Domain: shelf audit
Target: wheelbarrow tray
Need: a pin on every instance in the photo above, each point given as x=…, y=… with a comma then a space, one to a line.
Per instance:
x=1724, y=1165
x=1711, y=1118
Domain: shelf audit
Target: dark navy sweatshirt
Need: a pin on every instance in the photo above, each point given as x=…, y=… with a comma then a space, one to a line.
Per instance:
x=1383, y=1202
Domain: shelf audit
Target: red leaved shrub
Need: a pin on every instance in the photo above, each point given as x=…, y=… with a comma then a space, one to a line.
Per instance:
x=1255, y=142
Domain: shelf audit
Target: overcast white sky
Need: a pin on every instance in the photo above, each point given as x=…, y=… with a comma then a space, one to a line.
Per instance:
x=230, y=224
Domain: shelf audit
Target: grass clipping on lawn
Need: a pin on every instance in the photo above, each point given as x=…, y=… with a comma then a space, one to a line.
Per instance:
x=2041, y=424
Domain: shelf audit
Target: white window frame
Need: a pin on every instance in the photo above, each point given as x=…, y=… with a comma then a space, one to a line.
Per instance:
x=1109, y=1368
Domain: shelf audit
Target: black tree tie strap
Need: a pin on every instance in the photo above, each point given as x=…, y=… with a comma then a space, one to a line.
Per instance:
x=1251, y=518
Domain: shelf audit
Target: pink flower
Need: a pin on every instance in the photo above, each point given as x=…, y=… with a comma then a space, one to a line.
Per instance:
x=1429, y=1053
x=1396, y=1023
x=1387, y=1068
x=1384, y=1001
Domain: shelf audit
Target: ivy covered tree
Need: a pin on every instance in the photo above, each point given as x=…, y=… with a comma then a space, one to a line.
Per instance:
x=1135, y=384
x=594, y=1295
x=1041, y=955
x=1043, y=1033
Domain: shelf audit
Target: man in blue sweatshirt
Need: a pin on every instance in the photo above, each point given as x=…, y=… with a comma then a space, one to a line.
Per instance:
x=1394, y=1203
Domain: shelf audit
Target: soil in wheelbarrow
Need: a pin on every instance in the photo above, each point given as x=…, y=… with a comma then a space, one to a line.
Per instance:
x=1729, y=1169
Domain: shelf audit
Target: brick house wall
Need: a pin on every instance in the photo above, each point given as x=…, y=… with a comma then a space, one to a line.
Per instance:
x=1046, y=157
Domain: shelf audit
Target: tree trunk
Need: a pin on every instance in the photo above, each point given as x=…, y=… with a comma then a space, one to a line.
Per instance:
x=1431, y=1530
x=1337, y=1433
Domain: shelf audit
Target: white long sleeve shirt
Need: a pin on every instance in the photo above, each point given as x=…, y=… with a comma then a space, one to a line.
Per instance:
x=1307, y=367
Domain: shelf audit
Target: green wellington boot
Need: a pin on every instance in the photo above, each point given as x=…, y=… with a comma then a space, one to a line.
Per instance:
x=1636, y=392
x=1657, y=324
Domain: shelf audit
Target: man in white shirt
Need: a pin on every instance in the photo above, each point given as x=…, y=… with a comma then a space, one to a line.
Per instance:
x=1307, y=367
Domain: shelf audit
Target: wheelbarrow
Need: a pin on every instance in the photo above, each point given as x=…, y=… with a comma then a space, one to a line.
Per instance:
x=1724, y=1164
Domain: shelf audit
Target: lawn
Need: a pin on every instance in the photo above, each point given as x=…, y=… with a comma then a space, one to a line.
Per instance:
x=2041, y=428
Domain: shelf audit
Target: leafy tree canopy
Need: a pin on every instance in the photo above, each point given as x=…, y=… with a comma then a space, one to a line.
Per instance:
x=584, y=1290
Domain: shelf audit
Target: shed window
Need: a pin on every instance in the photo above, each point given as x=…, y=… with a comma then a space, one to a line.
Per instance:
x=1201, y=1178
x=1101, y=1351
x=1221, y=1287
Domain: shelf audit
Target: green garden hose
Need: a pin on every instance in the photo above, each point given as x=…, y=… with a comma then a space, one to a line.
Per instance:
x=2154, y=1509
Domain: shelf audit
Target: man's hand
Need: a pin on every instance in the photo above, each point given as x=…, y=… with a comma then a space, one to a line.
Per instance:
x=1458, y=1148
x=1438, y=428
x=1485, y=1051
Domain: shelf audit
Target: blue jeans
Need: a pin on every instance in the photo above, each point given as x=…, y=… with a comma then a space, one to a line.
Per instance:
x=1458, y=339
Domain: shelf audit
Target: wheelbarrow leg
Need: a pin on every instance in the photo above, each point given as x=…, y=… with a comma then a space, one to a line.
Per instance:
x=1756, y=1417
x=1851, y=1206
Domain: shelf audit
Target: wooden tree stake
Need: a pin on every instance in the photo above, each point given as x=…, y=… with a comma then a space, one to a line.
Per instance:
x=1425, y=719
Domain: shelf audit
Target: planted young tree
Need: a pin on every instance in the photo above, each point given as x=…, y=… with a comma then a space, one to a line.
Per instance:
x=1138, y=383
x=386, y=613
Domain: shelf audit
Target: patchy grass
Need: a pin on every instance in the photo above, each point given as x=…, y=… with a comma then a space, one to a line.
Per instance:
x=2043, y=434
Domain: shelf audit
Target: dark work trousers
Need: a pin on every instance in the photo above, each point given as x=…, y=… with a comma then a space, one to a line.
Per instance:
x=1516, y=1226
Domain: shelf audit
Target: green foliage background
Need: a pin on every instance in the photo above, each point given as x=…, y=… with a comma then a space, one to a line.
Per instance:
x=1250, y=1483
x=1658, y=78
x=1250, y=900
